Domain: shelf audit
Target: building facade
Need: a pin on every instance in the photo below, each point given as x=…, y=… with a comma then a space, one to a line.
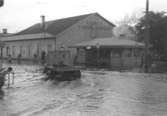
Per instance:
x=55, y=35
x=28, y=49
x=114, y=53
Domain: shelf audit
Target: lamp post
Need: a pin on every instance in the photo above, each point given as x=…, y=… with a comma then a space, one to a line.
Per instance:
x=98, y=54
x=1, y=5
x=147, y=37
x=87, y=55
x=88, y=47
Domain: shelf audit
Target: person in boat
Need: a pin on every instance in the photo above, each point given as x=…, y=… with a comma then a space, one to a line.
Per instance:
x=3, y=73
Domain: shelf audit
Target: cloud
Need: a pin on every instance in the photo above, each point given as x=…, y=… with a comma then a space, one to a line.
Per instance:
x=22, y=13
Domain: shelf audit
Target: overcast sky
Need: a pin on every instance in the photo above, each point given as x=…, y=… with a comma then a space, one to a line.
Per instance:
x=19, y=14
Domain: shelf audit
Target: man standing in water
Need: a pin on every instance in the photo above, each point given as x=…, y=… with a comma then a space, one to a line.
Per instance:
x=43, y=55
x=3, y=73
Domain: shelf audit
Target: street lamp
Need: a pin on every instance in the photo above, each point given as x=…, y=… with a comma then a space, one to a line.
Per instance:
x=88, y=47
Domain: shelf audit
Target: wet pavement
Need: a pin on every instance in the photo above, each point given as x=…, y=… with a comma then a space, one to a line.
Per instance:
x=98, y=93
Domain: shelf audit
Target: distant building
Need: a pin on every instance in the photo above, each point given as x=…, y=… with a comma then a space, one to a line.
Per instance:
x=113, y=52
x=55, y=35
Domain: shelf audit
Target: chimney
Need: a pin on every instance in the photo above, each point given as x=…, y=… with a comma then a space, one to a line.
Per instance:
x=43, y=22
x=4, y=31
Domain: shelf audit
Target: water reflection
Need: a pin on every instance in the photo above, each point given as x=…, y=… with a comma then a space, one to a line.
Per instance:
x=96, y=94
x=1, y=94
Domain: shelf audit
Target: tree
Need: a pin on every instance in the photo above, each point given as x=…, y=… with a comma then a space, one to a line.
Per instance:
x=157, y=28
x=131, y=19
x=125, y=32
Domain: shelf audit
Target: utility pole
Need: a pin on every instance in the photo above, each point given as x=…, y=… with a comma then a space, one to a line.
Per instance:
x=42, y=53
x=1, y=5
x=147, y=38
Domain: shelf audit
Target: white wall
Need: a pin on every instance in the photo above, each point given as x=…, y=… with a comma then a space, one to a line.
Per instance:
x=28, y=48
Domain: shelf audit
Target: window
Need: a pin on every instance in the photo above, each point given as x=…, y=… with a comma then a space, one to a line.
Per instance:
x=1, y=52
x=7, y=51
x=137, y=52
x=29, y=50
x=127, y=53
x=21, y=50
x=38, y=49
x=24, y=51
x=116, y=52
x=49, y=47
x=13, y=51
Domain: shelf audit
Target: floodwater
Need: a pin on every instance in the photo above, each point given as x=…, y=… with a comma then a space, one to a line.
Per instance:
x=98, y=93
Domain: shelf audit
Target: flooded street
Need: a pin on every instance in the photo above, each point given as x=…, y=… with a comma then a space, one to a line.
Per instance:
x=98, y=93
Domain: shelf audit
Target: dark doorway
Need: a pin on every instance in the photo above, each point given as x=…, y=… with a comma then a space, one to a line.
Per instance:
x=98, y=57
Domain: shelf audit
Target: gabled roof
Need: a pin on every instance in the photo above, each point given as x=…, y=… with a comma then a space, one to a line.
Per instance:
x=57, y=26
x=27, y=37
x=110, y=42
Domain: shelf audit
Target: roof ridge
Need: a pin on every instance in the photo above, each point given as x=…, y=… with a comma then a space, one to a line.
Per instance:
x=70, y=17
x=59, y=25
x=63, y=24
x=64, y=18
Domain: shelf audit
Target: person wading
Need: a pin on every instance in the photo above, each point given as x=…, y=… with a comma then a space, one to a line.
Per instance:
x=3, y=73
